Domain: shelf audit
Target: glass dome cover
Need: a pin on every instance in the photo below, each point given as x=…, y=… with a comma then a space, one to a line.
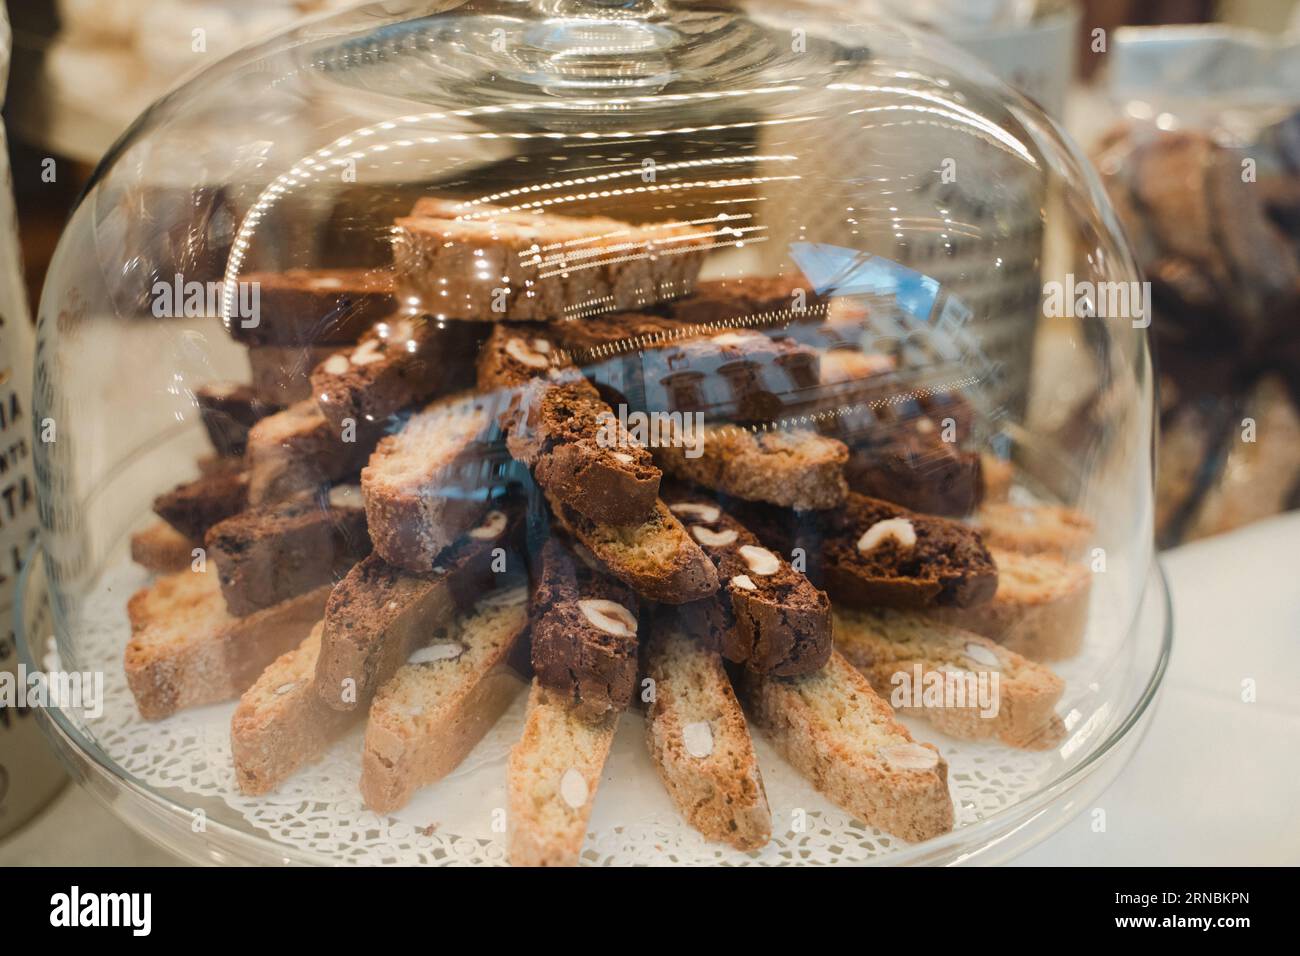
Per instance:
x=670, y=357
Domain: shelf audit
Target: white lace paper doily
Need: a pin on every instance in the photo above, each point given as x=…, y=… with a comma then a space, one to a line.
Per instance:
x=457, y=821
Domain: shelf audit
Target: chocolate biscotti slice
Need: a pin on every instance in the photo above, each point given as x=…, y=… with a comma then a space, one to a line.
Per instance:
x=193, y=507
x=191, y=651
x=1040, y=609
x=404, y=359
x=833, y=728
x=967, y=686
x=298, y=450
x=315, y=306
x=560, y=427
x=551, y=780
x=379, y=614
x=228, y=410
x=429, y=715
x=515, y=353
x=162, y=549
x=280, y=725
x=477, y=261
x=793, y=469
x=699, y=741
x=657, y=558
x=910, y=464
x=584, y=633
x=269, y=554
x=774, y=620
x=430, y=483
x=1033, y=529
x=580, y=454
x=874, y=553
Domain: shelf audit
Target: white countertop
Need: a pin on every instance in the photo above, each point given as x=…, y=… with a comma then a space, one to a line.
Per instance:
x=1212, y=784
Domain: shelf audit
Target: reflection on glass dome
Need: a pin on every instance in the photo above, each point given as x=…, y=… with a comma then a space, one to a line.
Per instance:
x=565, y=394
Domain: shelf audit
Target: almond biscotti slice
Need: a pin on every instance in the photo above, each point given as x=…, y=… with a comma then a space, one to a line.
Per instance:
x=476, y=261
x=1032, y=529
x=560, y=427
x=700, y=743
x=427, y=718
x=429, y=484
x=835, y=731
x=908, y=463
x=584, y=633
x=179, y=592
x=876, y=553
x=551, y=779
x=773, y=619
x=657, y=558
x=162, y=549
x=793, y=469
x=1040, y=609
x=379, y=614
x=269, y=554
x=297, y=450
x=581, y=455
x=190, y=651
x=280, y=724
x=966, y=685
x=404, y=359
x=516, y=353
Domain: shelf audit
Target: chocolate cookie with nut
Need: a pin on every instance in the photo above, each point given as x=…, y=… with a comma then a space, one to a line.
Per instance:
x=584, y=633
x=769, y=616
x=876, y=553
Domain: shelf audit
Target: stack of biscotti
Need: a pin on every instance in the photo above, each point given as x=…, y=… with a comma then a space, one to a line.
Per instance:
x=187, y=649
x=432, y=676
x=249, y=593
x=357, y=552
x=601, y=484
